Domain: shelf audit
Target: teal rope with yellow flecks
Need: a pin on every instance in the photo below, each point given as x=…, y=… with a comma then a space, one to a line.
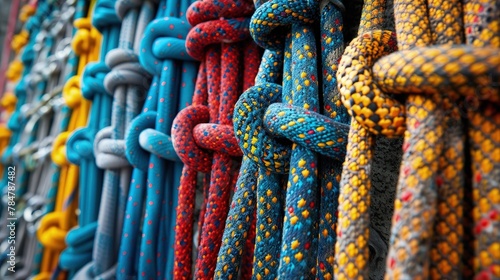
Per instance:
x=294, y=252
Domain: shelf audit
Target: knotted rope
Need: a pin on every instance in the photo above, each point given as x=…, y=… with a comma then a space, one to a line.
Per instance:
x=149, y=147
x=127, y=82
x=55, y=225
x=228, y=66
x=295, y=250
x=80, y=151
x=429, y=237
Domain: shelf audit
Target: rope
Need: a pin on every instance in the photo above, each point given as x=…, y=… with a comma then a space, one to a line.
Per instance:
x=293, y=251
x=149, y=147
x=80, y=240
x=126, y=82
x=199, y=128
x=429, y=233
x=55, y=225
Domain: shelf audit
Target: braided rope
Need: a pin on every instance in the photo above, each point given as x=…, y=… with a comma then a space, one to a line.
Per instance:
x=199, y=128
x=54, y=225
x=80, y=240
x=149, y=147
x=428, y=225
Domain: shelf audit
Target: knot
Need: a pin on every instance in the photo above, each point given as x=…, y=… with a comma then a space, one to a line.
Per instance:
x=71, y=92
x=8, y=102
x=26, y=11
x=202, y=11
x=158, y=144
x=307, y=128
x=362, y=97
x=472, y=72
x=104, y=15
x=276, y=15
x=5, y=134
x=123, y=6
x=80, y=243
x=125, y=70
x=216, y=32
x=50, y=232
x=269, y=152
x=217, y=137
x=19, y=41
x=58, y=154
x=164, y=39
x=184, y=141
x=92, y=80
x=85, y=36
x=109, y=153
x=80, y=145
x=16, y=121
x=136, y=155
x=14, y=71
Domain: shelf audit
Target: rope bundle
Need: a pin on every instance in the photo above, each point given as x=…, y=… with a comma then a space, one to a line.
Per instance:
x=315, y=135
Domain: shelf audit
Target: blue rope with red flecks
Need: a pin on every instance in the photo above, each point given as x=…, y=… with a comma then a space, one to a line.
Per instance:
x=163, y=54
x=295, y=252
x=228, y=66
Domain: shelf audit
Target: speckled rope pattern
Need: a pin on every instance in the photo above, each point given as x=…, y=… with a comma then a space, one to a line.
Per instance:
x=293, y=252
x=228, y=66
x=428, y=238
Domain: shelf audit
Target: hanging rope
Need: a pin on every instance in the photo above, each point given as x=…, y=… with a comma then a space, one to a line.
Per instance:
x=149, y=147
x=79, y=150
x=297, y=254
x=428, y=237
x=126, y=82
x=197, y=128
x=55, y=225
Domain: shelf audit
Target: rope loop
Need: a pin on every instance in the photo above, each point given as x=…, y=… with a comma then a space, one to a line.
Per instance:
x=136, y=155
x=104, y=15
x=92, y=79
x=203, y=11
x=85, y=36
x=15, y=70
x=270, y=153
x=58, y=154
x=110, y=153
x=8, y=102
x=164, y=39
x=184, y=141
x=364, y=100
x=71, y=92
x=217, y=137
x=125, y=71
x=79, y=145
x=215, y=32
x=158, y=143
x=307, y=128
x=268, y=21
x=468, y=71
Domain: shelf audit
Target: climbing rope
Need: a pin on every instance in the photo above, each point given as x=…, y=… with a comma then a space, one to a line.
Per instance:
x=80, y=241
x=429, y=232
x=228, y=66
x=126, y=82
x=55, y=225
x=152, y=199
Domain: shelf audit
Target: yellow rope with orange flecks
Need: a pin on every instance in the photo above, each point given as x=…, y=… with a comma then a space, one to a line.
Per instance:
x=430, y=237
x=54, y=226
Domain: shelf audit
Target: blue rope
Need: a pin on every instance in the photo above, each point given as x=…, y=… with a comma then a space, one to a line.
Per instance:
x=80, y=240
x=127, y=81
x=149, y=147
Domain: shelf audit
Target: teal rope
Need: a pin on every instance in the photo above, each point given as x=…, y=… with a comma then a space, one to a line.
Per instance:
x=80, y=146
